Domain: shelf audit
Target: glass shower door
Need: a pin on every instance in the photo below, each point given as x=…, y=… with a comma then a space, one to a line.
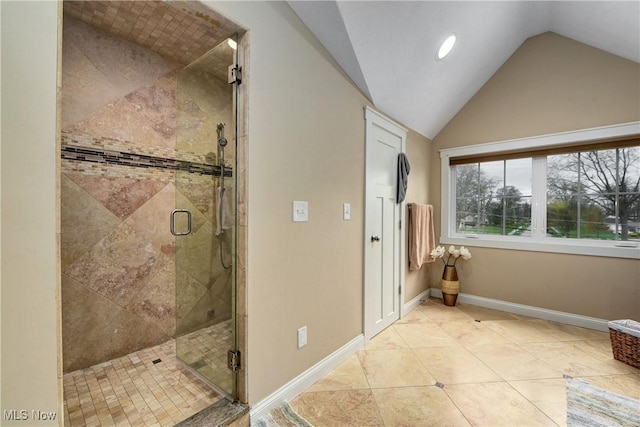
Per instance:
x=205, y=217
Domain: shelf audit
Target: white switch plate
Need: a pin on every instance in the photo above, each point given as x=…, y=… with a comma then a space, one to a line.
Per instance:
x=302, y=337
x=346, y=211
x=300, y=211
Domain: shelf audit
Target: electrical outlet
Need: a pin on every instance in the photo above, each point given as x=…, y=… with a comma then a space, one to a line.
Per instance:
x=302, y=337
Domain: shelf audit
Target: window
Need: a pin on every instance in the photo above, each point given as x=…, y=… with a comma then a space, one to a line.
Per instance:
x=594, y=194
x=494, y=197
x=576, y=192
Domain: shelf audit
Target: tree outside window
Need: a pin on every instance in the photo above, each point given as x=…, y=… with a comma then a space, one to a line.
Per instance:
x=494, y=197
x=594, y=194
x=572, y=192
x=590, y=195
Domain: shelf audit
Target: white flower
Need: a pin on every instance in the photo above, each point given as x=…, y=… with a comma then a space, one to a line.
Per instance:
x=452, y=254
x=438, y=252
x=455, y=253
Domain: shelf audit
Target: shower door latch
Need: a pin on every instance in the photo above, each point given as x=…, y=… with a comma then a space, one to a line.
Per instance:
x=234, y=74
x=233, y=360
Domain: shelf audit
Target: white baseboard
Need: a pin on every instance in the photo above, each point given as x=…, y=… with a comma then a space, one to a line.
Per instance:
x=408, y=307
x=531, y=311
x=305, y=380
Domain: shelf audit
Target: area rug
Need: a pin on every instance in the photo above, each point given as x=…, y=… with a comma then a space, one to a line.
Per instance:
x=282, y=416
x=589, y=406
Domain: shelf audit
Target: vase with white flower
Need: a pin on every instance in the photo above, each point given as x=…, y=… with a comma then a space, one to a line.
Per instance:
x=450, y=283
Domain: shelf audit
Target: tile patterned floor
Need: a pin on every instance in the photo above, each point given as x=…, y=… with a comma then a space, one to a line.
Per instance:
x=134, y=391
x=196, y=350
x=465, y=365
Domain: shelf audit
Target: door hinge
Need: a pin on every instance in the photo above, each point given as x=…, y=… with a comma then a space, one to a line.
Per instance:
x=400, y=224
x=399, y=290
x=233, y=360
x=234, y=74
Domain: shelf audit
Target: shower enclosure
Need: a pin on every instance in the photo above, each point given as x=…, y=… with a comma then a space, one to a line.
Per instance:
x=205, y=216
x=149, y=126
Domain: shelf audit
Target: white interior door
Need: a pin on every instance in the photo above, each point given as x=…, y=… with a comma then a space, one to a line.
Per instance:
x=383, y=227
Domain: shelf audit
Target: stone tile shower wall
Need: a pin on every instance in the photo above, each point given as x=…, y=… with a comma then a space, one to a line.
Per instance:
x=118, y=187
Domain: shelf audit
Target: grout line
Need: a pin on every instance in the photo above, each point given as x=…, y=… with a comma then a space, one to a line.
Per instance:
x=552, y=329
x=131, y=390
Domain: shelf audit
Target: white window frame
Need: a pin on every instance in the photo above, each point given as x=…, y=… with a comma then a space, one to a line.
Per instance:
x=538, y=241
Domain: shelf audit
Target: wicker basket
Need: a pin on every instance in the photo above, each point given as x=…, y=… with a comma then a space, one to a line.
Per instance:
x=625, y=341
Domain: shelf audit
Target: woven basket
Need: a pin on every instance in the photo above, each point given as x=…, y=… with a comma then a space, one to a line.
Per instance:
x=625, y=346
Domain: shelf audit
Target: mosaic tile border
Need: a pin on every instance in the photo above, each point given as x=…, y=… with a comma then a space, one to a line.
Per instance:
x=120, y=158
x=115, y=171
x=78, y=147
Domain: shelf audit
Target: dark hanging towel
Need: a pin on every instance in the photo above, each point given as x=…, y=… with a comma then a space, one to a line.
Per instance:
x=403, y=172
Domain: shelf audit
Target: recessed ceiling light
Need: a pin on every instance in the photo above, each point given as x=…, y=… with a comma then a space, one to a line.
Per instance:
x=232, y=44
x=445, y=47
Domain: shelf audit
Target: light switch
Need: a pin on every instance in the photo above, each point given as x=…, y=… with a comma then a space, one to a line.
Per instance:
x=346, y=211
x=300, y=211
x=302, y=337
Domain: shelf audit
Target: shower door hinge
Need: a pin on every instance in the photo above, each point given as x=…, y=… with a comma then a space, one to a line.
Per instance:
x=233, y=360
x=234, y=74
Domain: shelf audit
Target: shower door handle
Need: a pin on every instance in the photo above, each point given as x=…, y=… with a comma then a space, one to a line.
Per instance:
x=172, y=222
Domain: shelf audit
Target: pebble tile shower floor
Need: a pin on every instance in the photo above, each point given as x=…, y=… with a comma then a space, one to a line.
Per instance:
x=145, y=388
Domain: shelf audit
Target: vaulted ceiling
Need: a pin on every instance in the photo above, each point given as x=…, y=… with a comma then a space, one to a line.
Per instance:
x=388, y=48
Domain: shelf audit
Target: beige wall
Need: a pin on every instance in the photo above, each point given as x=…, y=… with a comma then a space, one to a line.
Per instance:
x=419, y=154
x=1, y=405
x=550, y=84
x=306, y=142
x=29, y=268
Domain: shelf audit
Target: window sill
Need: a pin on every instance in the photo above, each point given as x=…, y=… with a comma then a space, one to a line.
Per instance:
x=562, y=246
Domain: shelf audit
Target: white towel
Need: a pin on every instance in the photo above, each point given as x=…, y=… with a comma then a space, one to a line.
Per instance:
x=223, y=211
